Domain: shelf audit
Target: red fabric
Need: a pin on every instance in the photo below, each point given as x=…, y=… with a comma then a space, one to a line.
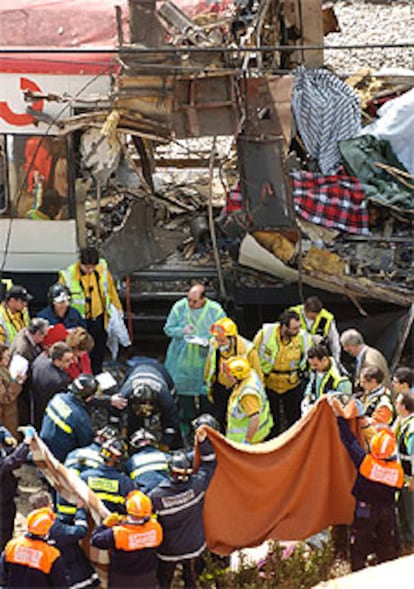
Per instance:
x=336, y=202
x=56, y=333
x=79, y=366
x=286, y=489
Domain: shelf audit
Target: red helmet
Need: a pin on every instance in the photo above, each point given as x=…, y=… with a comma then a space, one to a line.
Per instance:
x=138, y=504
x=383, y=444
x=40, y=521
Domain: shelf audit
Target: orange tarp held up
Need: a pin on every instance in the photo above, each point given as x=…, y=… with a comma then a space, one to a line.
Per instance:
x=286, y=489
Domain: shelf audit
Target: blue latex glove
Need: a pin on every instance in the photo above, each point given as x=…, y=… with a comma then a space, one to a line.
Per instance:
x=29, y=432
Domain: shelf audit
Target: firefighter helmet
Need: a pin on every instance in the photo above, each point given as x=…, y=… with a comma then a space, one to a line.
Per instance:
x=58, y=293
x=238, y=367
x=105, y=433
x=383, y=444
x=84, y=386
x=206, y=419
x=40, y=521
x=138, y=504
x=141, y=438
x=113, y=451
x=143, y=398
x=224, y=327
x=180, y=466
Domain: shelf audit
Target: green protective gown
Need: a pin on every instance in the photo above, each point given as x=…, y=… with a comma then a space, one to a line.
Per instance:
x=185, y=361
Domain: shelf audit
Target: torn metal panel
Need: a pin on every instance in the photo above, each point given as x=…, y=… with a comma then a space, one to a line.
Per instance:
x=205, y=106
x=266, y=191
x=137, y=244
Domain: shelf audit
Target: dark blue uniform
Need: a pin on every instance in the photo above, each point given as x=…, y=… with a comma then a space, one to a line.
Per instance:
x=179, y=506
x=66, y=535
x=8, y=489
x=110, y=486
x=66, y=425
x=164, y=424
x=71, y=319
x=147, y=468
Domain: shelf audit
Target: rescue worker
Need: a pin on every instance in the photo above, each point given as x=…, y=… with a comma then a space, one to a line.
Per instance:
x=317, y=321
x=249, y=419
x=324, y=378
x=13, y=313
x=93, y=292
x=151, y=402
x=225, y=343
x=404, y=431
x=29, y=560
x=283, y=348
x=82, y=459
x=66, y=423
x=147, y=466
x=178, y=502
x=66, y=533
x=10, y=389
x=132, y=541
x=376, y=398
x=11, y=458
x=59, y=309
x=108, y=483
x=188, y=326
x=353, y=343
x=379, y=475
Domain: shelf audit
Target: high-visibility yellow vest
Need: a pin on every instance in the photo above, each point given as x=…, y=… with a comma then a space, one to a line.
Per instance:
x=242, y=347
x=321, y=324
x=238, y=421
x=11, y=323
x=70, y=278
x=268, y=348
x=330, y=381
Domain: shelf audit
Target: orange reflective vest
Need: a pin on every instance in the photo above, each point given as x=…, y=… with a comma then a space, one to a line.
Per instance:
x=131, y=537
x=382, y=471
x=32, y=553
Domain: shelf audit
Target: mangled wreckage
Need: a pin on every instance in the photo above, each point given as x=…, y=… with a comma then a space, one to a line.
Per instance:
x=221, y=148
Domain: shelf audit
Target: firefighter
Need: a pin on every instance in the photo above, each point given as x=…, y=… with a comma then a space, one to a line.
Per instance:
x=147, y=466
x=151, y=403
x=11, y=458
x=282, y=348
x=225, y=343
x=178, y=502
x=379, y=476
x=317, y=321
x=108, y=483
x=66, y=423
x=81, y=459
x=29, y=560
x=93, y=292
x=249, y=419
x=132, y=541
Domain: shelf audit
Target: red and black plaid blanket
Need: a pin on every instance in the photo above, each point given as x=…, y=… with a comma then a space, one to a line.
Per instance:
x=336, y=202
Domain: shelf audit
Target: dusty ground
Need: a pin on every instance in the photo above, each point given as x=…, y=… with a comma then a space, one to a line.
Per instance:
x=29, y=483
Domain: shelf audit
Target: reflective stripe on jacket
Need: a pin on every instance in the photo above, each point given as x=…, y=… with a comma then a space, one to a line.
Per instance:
x=381, y=471
x=320, y=326
x=238, y=421
x=242, y=347
x=129, y=537
x=403, y=433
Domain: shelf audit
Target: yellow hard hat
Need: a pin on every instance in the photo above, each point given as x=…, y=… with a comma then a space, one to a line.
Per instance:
x=224, y=327
x=238, y=367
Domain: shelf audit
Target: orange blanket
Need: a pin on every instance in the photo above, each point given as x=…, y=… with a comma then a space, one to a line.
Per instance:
x=286, y=489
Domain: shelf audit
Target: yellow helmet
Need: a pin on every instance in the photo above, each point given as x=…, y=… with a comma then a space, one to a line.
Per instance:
x=224, y=327
x=238, y=367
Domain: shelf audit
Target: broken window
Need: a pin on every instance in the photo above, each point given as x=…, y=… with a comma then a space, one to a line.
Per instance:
x=37, y=177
